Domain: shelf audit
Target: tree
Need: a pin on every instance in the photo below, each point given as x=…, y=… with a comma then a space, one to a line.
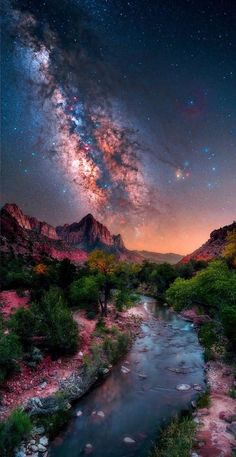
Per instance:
x=22, y=323
x=10, y=353
x=228, y=317
x=84, y=292
x=162, y=276
x=104, y=265
x=56, y=323
x=66, y=273
x=212, y=287
x=16, y=428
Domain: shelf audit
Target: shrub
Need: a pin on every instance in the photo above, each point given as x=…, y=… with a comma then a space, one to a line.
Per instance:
x=176, y=440
x=204, y=400
x=124, y=299
x=22, y=323
x=84, y=293
x=10, y=353
x=16, y=428
x=56, y=323
x=228, y=317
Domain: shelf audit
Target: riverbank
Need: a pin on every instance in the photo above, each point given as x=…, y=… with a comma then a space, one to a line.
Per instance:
x=47, y=392
x=216, y=424
x=216, y=421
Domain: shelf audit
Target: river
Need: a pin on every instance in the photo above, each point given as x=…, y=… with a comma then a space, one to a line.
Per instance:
x=136, y=403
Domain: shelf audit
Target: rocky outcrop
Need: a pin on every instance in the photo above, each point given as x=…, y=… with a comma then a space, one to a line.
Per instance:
x=214, y=247
x=29, y=223
x=27, y=236
x=88, y=233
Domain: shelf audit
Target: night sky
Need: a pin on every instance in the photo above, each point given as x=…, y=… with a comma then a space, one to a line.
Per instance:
x=126, y=109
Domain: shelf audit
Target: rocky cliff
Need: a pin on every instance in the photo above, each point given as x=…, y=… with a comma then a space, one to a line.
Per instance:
x=213, y=247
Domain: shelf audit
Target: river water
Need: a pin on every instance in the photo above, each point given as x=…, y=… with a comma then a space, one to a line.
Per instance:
x=137, y=403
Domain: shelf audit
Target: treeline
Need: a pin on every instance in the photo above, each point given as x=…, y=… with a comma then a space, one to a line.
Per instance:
x=47, y=326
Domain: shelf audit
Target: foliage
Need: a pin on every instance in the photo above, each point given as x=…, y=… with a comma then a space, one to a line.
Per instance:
x=55, y=323
x=66, y=273
x=181, y=294
x=232, y=393
x=228, y=317
x=22, y=323
x=101, y=261
x=176, y=440
x=104, y=265
x=40, y=269
x=124, y=299
x=163, y=275
x=84, y=292
x=53, y=423
x=208, y=337
x=212, y=287
x=10, y=353
x=16, y=428
x=115, y=348
x=204, y=400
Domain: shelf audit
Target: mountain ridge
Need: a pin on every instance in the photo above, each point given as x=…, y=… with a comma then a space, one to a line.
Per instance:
x=213, y=247
x=26, y=235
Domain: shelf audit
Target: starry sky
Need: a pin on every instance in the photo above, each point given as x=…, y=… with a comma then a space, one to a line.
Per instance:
x=126, y=109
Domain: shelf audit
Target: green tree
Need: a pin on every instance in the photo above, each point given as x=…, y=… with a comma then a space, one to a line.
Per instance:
x=84, y=292
x=104, y=265
x=16, y=428
x=162, y=276
x=22, y=323
x=56, y=323
x=10, y=353
x=228, y=317
x=66, y=273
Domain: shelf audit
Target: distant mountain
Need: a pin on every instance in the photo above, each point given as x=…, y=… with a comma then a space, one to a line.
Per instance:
x=27, y=236
x=90, y=234
x=158, y=257
x=213, y=247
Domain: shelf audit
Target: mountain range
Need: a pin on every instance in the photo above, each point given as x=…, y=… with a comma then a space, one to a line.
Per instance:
x=27, y=236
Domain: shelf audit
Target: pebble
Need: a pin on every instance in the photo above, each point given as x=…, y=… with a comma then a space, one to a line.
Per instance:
x=100, y=414
x=41, y=448
x=125, y=370
x=79, y=413
x=89, y=446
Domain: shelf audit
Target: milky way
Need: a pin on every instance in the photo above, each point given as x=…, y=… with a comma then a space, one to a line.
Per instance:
x=100, y=156
x=123, y=109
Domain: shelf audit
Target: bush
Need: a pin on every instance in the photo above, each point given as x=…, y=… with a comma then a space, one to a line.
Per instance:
x=212, y=287
x=204, y=400
x=84, y=293
x=228, y=317
x=124, y=299
x=22, y=323
x=176, y=440
x=16, y=428
x=10, y=353
x=181, y=294
x=56, y=323
x=115, y=348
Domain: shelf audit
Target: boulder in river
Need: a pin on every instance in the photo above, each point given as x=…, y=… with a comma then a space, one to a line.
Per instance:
x=183, y=387
x=128, y=440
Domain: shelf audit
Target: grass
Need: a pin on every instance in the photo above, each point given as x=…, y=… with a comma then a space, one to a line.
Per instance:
x=16, y=428
x=204, y=400
x=176, y=440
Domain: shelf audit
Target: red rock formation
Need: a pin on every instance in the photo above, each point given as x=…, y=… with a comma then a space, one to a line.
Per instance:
x=213, y=247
